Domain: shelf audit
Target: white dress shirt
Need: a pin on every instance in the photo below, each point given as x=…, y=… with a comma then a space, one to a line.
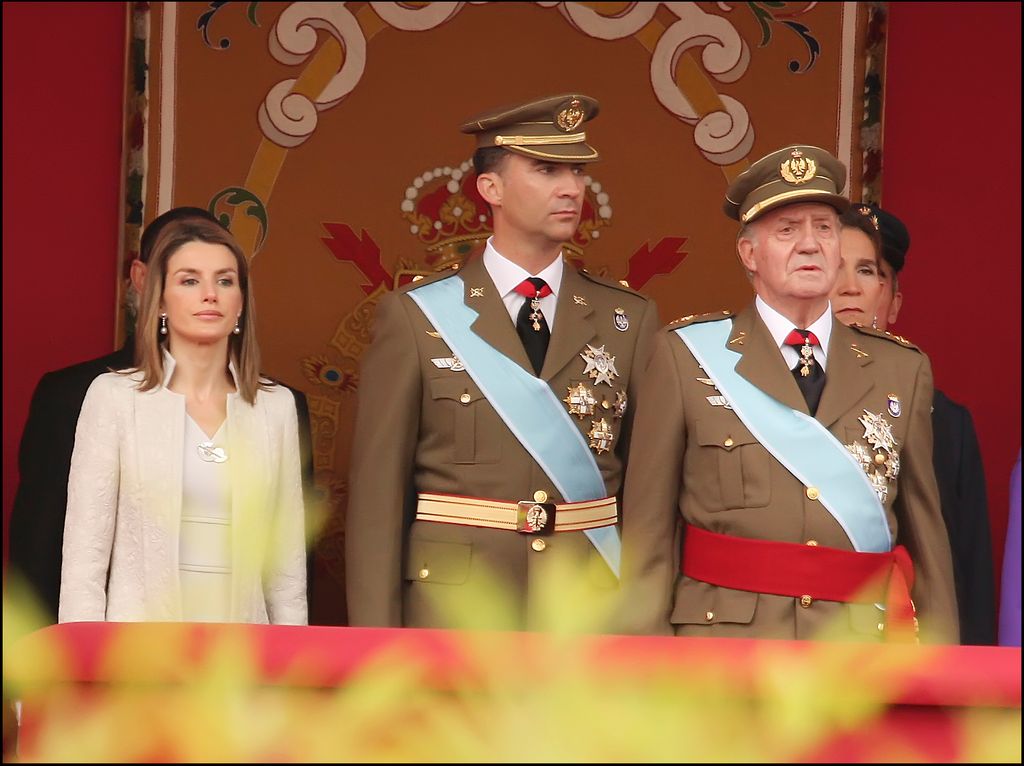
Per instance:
x=780, y=327
x=506, y=275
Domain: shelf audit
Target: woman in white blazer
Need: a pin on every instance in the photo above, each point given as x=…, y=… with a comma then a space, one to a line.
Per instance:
x=185, y=494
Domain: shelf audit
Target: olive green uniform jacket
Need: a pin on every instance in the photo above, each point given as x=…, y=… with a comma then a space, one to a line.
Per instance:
x=421, y=428
x=696, y=463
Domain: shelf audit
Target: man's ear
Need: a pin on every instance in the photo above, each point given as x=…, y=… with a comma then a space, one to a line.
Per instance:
x=745, y=250
x=894, y=307
x=489, y=186
x=137, y=273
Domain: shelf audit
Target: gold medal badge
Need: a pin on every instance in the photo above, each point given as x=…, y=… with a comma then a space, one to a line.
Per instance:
x=580, y=400
x=601, y=436
x=620, y=404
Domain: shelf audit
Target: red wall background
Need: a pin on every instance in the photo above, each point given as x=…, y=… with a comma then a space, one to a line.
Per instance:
x=952, y=173
x=63, y=76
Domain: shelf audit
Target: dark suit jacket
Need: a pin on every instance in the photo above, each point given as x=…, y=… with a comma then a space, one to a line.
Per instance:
x=961, y=479
x=44, y=461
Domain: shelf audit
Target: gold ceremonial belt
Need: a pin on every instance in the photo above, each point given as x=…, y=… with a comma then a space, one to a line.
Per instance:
x=530, y=517
x=564, y=138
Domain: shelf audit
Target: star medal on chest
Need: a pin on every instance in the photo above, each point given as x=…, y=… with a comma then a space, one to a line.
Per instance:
x=880, y=460
x=601, y=436
x=600, y=365
x=878, y=432
x=580, y=400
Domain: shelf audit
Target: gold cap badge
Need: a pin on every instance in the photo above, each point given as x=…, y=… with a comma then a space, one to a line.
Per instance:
x=571, y=117
x=798, y=169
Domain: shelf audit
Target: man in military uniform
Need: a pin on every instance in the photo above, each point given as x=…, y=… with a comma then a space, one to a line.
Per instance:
x=780, y=482
x=496, y=401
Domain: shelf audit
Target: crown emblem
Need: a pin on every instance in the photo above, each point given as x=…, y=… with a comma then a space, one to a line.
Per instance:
x=864, y=210
x=570, y=117
x=798, y=169
x=446, y=213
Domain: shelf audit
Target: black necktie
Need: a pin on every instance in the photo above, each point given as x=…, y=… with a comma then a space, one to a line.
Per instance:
x=807, y=372
x=531, y=324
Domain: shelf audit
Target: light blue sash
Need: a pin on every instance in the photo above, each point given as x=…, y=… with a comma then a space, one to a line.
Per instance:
x=526, y=403
x=803, y=445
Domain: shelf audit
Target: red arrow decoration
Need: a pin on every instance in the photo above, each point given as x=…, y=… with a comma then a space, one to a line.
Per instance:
x=362, y=252
x=647, y=261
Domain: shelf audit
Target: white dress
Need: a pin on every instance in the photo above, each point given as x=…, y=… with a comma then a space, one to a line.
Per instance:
x=204, y=562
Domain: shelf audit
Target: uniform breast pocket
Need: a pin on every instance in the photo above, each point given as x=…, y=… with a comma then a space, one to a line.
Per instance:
x=476, y=428
x=743, y=465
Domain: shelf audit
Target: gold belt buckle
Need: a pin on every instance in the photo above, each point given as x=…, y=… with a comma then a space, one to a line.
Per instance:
x=534, y=518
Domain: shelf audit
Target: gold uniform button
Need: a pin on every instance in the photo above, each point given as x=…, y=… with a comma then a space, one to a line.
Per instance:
x=879, y=458
x=465, y=398
x=538, y=545
x=806, y=601
x=812, y=543
x=709, y=616
x=813, y=493
x=728, y=442
x=424, y=573
x=881, y=627
x=540, y=496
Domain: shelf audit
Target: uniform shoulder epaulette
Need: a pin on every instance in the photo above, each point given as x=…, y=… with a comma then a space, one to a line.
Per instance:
x=618, y=284
x=425, y=279
x=711, y=316
x=874, y=332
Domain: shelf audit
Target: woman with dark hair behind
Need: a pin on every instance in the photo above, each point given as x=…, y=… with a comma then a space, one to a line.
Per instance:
x=858, y=288
x=185, y=494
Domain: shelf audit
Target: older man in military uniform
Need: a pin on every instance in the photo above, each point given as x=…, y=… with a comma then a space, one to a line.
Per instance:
x=780, y=482
x=496, y=401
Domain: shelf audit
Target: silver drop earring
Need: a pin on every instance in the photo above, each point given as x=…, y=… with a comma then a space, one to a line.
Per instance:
x=237, y=330
x=163, y=324
x=874, y=322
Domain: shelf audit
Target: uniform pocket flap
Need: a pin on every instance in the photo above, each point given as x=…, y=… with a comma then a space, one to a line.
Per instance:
x=456, y=388
x=438, y=562
x=727, y=435
x=714, y=605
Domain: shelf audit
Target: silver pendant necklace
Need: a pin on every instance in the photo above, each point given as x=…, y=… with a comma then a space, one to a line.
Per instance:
x=211, y=453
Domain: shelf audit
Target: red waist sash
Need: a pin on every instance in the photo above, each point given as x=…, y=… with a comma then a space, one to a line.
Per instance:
x=806, y=572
